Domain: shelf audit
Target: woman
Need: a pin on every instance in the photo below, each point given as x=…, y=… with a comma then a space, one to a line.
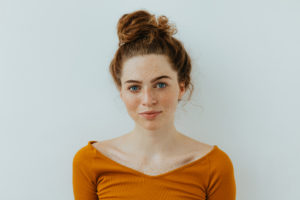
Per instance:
x=151, y=70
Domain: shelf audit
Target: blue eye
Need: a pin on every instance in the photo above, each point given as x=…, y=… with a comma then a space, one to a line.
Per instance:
x=163, y=83
x=134, y=86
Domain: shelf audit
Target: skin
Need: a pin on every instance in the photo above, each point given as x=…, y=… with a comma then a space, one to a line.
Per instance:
x=152, y=140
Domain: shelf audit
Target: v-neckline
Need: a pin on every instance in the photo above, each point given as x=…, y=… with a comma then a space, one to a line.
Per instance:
x=148, y=175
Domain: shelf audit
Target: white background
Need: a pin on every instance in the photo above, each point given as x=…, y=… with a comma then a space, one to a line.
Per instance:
x=56, y=93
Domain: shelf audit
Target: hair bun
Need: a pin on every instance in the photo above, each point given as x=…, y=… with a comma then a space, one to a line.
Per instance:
x=142, y=24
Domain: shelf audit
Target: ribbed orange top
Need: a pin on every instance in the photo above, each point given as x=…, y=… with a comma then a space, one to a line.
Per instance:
x=96, y=176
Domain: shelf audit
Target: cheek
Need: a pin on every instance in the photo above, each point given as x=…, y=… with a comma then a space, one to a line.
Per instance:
x=168, y=100
x=131, y=102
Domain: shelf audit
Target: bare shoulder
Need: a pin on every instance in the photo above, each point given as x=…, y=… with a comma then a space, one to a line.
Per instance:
x=196, y=145
x=204, y=148
x=107, y=146
x=102, y=144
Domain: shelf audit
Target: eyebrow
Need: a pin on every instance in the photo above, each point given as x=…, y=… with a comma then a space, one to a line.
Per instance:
x=153, y=80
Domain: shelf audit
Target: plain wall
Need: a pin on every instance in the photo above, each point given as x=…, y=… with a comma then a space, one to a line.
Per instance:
x=56, y=93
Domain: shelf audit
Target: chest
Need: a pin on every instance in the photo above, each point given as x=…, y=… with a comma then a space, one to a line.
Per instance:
x=152, y=167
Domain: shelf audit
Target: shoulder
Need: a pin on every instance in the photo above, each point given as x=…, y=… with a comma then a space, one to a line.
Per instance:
x=220, y=155
x=221, y=177
x=220, y=161
x=83, y=154
x=84, y=173
x=194, y=145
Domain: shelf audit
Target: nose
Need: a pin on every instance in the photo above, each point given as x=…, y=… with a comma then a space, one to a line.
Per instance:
x=148, y=97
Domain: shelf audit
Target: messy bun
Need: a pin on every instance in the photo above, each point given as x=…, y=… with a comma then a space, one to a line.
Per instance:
x=141, y=33
x=142, y=24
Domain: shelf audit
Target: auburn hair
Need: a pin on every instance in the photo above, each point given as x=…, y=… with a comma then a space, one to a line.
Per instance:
x=140, y=33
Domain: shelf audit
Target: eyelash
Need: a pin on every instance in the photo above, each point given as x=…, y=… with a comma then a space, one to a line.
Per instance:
x=134, y=91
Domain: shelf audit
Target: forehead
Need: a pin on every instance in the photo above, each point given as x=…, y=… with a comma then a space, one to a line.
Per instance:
x=146, y=67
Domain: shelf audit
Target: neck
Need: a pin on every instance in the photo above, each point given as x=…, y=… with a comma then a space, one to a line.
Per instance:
x=149, y=143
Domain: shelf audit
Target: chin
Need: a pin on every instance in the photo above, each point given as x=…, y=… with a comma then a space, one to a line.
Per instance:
x=149, y=125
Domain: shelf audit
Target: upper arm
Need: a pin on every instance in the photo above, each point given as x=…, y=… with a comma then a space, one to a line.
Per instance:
x=84, y=188
x=222, y=184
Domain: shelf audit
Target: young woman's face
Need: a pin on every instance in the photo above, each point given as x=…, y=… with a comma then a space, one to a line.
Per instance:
x=150, y=84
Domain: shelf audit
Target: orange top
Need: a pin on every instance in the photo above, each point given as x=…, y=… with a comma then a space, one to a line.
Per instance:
x=96, y=176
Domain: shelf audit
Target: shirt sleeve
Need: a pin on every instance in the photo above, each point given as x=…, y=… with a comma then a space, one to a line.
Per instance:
x=84, y=188
x=221, y=184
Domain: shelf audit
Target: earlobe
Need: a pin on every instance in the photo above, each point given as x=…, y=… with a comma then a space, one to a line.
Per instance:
x=182, y=90
x=181, y=94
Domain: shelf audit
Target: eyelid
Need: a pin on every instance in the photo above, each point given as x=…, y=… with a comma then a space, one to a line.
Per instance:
x=136, y=84
x=154, y=84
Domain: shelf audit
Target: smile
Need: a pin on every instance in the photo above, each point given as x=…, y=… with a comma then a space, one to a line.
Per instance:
x=150, y=116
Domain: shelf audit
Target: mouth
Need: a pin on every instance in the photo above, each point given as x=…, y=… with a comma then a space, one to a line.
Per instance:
x=150, y=112
x=150, y=115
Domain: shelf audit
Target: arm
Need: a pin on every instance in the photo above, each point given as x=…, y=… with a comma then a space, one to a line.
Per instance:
x=84, y=188
x=222, y=184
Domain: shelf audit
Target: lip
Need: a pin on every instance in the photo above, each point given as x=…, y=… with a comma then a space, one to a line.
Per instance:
x=150, y=115
x=150, y=112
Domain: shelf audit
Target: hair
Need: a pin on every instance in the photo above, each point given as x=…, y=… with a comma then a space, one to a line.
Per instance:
x=140, y=33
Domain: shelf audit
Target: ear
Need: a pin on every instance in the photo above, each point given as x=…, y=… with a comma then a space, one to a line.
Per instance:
x=181, y=90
